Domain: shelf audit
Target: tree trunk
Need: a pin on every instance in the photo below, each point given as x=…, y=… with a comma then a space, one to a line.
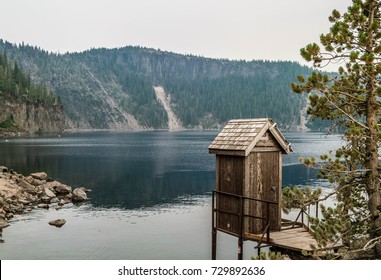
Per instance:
x=373, y=189
x=373, y=180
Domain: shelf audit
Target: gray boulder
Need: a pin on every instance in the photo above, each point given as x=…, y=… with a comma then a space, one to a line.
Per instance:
x=43, y=205
x=57, y=223
x=79, y=195
x=63, y=189
x=86, y=190
x=37, y=182
x=29, y=188
x=39, y=175
x=52, y=184
x=3, y=169
x=49, y=193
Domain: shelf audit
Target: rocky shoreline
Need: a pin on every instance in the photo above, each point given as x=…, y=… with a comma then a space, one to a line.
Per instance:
x=11, y=133
x=19, y=194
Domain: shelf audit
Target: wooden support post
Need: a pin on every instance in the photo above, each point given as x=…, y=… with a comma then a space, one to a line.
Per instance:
x=214, y=243
x=240, y=248
x=241, y=225
x=214, y=230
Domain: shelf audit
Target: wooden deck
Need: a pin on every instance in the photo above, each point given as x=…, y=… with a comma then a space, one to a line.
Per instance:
x=291, y=238
x=294, y=235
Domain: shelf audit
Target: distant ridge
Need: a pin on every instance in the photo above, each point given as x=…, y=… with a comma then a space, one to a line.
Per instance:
x=115, y=88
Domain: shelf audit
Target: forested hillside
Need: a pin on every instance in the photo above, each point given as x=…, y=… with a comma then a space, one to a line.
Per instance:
x=26, y=107
x=14, y=84
x=113, y=88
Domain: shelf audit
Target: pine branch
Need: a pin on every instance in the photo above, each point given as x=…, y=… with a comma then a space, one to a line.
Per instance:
x=348, y=115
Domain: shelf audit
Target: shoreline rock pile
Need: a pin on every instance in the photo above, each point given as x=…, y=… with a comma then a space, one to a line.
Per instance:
x=20, y=193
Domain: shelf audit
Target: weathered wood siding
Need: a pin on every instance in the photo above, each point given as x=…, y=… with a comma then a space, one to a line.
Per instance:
x=230, y=179
x=264, y=182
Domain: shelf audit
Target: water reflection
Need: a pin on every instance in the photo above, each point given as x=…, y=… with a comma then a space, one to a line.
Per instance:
x=300, y=175
x=127, y=170
x=139, y=169
x=132, y=190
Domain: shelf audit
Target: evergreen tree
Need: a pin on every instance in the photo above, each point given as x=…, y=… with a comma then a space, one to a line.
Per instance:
x=14, y=84
x=351, y=99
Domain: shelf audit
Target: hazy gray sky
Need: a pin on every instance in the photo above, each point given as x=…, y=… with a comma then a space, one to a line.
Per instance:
x=234, y=29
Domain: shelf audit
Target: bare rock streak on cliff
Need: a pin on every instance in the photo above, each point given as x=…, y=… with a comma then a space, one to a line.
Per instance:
x=173, y=121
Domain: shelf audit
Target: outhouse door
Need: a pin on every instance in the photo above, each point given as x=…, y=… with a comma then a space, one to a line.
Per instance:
x=264, y=183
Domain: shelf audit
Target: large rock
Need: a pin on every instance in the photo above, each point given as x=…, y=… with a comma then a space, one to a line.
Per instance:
x=34, y=181
x=86, y=190
x=3, y=169
x=29, y=179
x=39, y=175
x=29, y=188
x=57, y=223
x=49, y=193
x=79, y=195
x=38, y=182
x=8, y=189
x=63, y=189
x=51, y=184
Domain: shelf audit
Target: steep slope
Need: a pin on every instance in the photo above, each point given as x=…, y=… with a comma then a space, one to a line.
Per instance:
x=33, y=118
x=114, y=88
x=25, y=107
x=120, y=119
x=173, y=121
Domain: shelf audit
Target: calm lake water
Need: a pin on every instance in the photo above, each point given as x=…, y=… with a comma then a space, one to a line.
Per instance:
x=150, y=199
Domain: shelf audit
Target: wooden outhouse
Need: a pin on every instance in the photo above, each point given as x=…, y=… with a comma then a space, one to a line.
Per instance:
x=248, y=176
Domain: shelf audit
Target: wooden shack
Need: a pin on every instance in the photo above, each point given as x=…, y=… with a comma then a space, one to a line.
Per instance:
x=248, y=177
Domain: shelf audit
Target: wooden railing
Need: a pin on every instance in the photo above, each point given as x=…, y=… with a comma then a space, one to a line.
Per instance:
x=243, y=218
x=300, y=218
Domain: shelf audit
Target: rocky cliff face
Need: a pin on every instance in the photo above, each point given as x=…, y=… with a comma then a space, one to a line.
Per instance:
x=33, y=117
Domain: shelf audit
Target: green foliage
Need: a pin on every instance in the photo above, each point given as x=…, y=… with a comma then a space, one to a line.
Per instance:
x=15, y=85
x=8, y=124
x=350, y=99
x=298, y=198
x=269, y=256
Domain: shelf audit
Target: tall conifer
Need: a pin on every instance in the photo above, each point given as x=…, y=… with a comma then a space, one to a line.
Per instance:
x=351, y=98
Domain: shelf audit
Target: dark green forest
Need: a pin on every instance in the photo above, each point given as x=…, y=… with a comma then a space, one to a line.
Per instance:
x=15, y=85
x=99, y=87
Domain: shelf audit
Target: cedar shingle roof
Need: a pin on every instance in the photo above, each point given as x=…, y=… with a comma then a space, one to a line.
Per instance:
x=243, y=135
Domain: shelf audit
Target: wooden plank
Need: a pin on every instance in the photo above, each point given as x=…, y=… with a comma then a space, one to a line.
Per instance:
x=292, y=230
x=296, y=239
x=291, y=238
x=296, y=246
x=300, y=243
x=265, y=149
x=258, y=237
x=227, y=152
x=288, y=236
